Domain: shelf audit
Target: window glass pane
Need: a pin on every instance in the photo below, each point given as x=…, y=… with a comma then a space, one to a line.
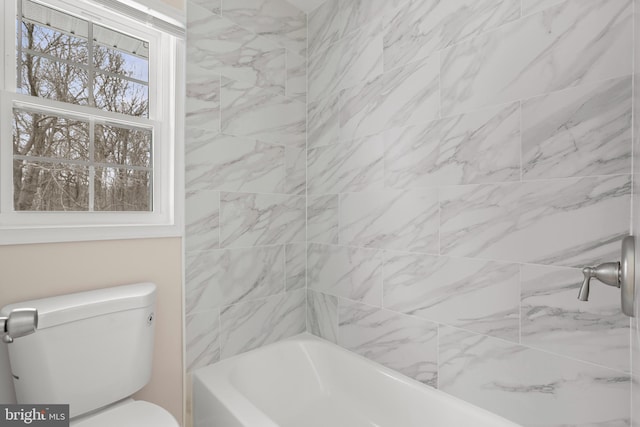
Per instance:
x=121, y=54
x=55, y=80
x=130, y=147
x=123, y=42
x=55, y=43
x=120, y=189
x=122, y=96
x=43, y=135
x=55, y=19
x=117, y=62
x=44, y=186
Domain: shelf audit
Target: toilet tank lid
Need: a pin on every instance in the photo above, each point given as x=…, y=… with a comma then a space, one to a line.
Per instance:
x=83, y=305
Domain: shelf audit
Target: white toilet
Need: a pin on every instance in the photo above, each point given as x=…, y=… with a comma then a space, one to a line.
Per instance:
x=91, y=350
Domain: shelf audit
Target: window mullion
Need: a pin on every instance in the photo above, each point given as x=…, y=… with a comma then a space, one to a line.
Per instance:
x=92, y=160
x=92, y=74
x=48, y=106
x=19, y=47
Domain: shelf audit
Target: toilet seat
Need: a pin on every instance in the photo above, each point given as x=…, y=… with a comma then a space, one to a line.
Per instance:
x=136, y=413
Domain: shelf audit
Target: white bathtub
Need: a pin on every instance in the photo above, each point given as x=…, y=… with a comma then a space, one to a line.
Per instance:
x=308, y=382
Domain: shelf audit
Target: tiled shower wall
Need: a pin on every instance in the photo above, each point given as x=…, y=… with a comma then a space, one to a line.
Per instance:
x=245, y=176
x=465, y=159
x=635, y=218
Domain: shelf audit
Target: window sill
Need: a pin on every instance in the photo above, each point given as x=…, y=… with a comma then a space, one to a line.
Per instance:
x=31, y=235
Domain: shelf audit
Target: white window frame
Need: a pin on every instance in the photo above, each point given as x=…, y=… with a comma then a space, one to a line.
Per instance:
x=166, y=112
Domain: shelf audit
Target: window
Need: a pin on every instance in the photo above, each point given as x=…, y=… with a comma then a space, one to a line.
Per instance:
x=88, y=124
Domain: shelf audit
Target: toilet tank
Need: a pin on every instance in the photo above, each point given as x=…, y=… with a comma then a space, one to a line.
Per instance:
x=90, y=348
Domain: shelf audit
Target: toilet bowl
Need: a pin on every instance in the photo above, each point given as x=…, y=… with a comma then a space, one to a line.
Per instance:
x=131, y=413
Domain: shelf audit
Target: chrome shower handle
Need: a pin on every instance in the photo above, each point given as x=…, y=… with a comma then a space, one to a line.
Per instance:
x=617, y=274
x=608, y=273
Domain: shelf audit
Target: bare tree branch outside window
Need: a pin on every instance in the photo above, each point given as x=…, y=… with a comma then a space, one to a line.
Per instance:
x=67, y=163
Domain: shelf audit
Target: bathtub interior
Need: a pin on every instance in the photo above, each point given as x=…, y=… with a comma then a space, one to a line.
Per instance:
x=308, y=381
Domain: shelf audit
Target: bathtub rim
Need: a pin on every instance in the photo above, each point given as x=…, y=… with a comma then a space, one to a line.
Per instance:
x=215, y=379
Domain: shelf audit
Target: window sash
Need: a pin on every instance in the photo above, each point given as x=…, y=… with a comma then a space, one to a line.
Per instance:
x=92, y=165
x=90, y=67
x=10, y=101
x=92, y=70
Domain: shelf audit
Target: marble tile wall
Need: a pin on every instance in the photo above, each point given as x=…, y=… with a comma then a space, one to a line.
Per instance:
x=245, y=234
x=635, y=218
x=465, y=158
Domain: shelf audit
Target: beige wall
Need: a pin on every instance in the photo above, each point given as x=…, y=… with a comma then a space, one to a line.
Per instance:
x=37, y=271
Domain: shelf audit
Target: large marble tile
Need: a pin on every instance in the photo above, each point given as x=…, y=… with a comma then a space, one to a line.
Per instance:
x=261, y=219
x=231, y=163
x=295, y=266
x=418, y=28
x=401, y=97
x=210, y=5
x=215, y=44
x=277, y=20
x=480, y=296
x=578, y=132
x=322, y=315
x=361, y=56
x=635, y=389
x=261, y=114
x=355, y=14
x=322, y=218
x=534, y=6
x=400, y=220
x=554, y=320
x=471, y=148
x=566, y=222
x=353, y=273
x=324, y=73
x=202, y=339
x=296, y=170
x=296, y=77
x=196, y=139
x=228, y=276
x=202, y=221
x=530, y=387
x=361, y=113
x=324, y=26
x=577, y=41
x=324, y=121
x=352, y=166
x=254, y=324
x=203, y=99
x=404, y=343
x=349, y=62
x=635, y=335
x=636, y=103
x=411, y=93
